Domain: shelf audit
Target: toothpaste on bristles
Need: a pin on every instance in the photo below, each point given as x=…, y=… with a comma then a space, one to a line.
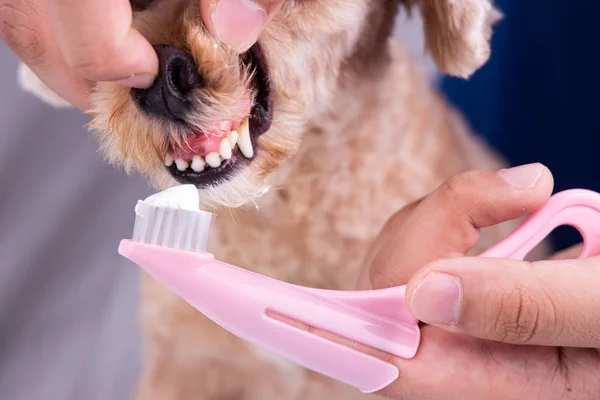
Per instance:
x=172, y=218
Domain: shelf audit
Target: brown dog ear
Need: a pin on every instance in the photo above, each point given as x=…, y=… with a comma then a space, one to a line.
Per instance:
x=457, y=33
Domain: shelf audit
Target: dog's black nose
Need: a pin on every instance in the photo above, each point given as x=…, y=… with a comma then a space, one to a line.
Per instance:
x=170, y=95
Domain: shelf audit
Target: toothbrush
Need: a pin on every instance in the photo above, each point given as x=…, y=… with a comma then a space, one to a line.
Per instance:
x=169, y=243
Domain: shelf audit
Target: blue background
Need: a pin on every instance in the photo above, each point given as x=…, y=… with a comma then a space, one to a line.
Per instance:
x=537, y=98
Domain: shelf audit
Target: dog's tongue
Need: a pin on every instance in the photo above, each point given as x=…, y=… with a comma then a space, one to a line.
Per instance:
x=203, y=143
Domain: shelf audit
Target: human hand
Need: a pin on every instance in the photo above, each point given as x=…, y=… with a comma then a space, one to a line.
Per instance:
x=69, y=44
x=238, y=23
x=501, y=329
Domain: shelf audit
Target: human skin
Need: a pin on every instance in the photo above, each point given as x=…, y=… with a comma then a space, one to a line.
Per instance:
x=496, y=329
x=70, y=44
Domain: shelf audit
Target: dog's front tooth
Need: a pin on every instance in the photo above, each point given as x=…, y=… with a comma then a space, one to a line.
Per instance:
x=214, y=160
x=244, y=142
x=225, y=149
x=198, y=163
x=168, y=160
x=233, y=138
x=182, y=165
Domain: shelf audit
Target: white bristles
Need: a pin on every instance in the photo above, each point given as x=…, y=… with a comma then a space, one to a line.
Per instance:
x=175, y=228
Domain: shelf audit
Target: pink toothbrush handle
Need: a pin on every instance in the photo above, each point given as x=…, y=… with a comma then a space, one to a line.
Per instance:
x=240, y=300
x=578, y=208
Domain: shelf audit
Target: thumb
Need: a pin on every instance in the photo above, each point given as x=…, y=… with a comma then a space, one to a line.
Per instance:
x=238, y=23
x=552, y=303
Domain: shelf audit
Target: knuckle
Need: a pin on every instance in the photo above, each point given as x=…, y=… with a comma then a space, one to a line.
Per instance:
x=381, y=272
x=517, y=316
x=17, y=28
x=453, y=189
x=454, y=196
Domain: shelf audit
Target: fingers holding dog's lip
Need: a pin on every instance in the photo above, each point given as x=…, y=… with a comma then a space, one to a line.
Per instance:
x=26, y=29
x=98, y=41
x=238, y=23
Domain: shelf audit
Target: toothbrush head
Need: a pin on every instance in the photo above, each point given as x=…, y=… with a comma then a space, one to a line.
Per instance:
x=173, y=219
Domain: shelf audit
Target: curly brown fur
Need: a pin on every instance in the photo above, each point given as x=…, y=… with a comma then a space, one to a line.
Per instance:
x=356, y=134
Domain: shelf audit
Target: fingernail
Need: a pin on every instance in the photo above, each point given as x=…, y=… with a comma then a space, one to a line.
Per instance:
x=437, y=299
x=239, y=22
x=141, y=81
x=522, y=177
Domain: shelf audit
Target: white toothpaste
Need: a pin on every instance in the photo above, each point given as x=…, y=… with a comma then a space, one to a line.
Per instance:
x=184, y=197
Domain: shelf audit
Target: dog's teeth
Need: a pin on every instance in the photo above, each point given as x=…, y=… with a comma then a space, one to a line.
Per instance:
x=198, y=163
x=244, y=142
x=233, y=138
x=214, y=160
x=225, y=149
x=168, y=160
x=182, y=165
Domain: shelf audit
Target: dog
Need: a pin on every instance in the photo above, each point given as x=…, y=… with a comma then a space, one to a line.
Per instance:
x=304, y=146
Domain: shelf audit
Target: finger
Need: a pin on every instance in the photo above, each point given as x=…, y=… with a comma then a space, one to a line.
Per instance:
x=446, y=224
x=238, y=23
x=459, y=367
x=551, y=303
x=98, y=42
x=26, y=29
x=380, y=246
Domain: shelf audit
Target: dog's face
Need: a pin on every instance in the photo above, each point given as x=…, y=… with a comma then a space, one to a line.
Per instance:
x=226, y=122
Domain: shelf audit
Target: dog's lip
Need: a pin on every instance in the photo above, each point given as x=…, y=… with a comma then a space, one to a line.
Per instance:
x=260, y=118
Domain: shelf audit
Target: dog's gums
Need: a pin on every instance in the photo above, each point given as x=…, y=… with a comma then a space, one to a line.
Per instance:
x=210, y=158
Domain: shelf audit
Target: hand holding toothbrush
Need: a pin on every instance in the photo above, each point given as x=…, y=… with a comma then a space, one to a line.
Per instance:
x=497, y=328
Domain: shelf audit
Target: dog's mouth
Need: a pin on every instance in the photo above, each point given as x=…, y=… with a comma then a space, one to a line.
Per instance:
x=209, y=158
